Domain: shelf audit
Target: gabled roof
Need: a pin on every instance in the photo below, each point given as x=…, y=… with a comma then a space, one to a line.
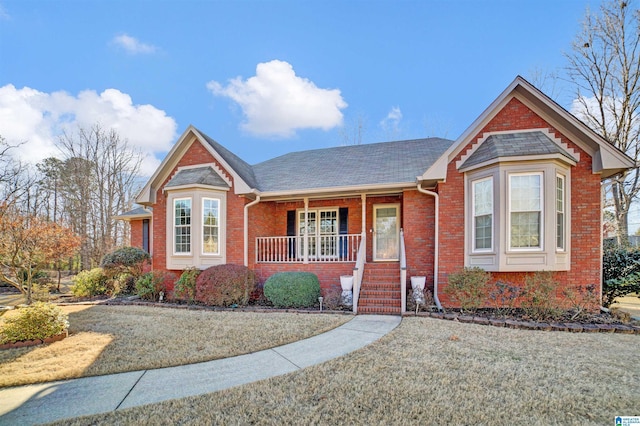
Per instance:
x=241, y=167
x=385, y=163
x=607, y=159
x=197, y=176
x=519, y=144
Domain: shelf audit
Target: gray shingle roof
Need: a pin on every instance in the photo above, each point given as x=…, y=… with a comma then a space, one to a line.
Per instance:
x=514, y=145
x=241, y=167
x=200, y=175
x=136, y=212
x=355, y=165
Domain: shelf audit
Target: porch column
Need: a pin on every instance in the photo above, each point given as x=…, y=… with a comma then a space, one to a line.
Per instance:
x=363, y=198
x=306, y=232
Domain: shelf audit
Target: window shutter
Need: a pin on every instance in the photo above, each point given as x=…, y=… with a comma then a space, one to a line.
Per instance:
x=343, y=217
x=291, y=232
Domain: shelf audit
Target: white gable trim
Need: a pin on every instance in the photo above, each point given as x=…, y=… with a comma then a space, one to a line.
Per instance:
x=188, y=137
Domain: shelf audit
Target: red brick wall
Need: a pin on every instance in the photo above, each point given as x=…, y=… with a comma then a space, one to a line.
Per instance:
x=136, y=233
x=418, y=213
x=585, y=209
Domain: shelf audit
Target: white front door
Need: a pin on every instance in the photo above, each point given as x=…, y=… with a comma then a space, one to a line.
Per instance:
x=386, y=230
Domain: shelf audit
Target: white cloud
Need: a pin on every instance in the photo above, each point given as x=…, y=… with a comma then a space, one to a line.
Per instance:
x=277, y=102
x=132, y=45
x=38, y=118
x=4, y=15
x=391, y=123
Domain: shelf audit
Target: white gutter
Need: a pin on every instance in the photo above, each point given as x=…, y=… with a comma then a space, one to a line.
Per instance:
x=246, y=229
x=436, y=244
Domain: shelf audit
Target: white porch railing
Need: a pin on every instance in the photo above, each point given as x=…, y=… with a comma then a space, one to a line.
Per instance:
x=358, y=272
x=322, y=248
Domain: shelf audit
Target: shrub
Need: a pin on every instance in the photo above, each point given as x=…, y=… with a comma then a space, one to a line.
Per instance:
x=504, y=296
x=620, y=273
x=89, y=283
x=468, y=287
x=412, y=306
x=539, y=299
x=292, y=289
x=38, y=321
x=582, y=299
x=185, y=288
x=225, y=285
x=151, y=284
x=130, y=260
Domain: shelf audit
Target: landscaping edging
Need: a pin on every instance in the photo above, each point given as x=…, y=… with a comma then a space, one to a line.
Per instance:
x=222, y=309
x=35, y=342
x=531, y=325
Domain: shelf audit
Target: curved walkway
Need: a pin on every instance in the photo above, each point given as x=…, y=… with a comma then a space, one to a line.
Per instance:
x=53, y=401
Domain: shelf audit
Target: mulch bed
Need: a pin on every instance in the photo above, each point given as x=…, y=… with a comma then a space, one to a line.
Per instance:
x=592, y=323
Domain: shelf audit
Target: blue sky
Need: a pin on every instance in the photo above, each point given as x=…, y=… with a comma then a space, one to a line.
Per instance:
x=269, y=77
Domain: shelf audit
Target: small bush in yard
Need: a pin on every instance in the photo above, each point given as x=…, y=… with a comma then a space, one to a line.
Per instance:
x=130, y=260
x=38, y=321
x=504, y=296
x=152, y=283
x=185, y=288
x=539, y=296
x=468, y=287
x=292, y=289
x=332, y=298
x=89, y=283
x=225, y=285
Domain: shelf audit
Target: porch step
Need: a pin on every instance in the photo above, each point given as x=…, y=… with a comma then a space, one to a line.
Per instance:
x=380, y=290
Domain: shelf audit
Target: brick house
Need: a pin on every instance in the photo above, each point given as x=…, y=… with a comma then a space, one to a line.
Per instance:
x=519, y=191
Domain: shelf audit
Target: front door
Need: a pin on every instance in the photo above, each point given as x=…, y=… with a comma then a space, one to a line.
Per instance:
x=386, y=231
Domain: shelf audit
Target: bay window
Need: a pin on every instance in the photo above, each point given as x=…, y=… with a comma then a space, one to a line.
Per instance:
x=210, y=225
x=516, y=217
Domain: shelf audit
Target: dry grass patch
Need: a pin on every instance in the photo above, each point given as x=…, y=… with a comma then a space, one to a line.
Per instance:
x=114, y=339
x=432, y=372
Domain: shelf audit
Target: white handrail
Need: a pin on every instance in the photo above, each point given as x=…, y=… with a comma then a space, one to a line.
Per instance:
x=403, y=274
x=358, y=272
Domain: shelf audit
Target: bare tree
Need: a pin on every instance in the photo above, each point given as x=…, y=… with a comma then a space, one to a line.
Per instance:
x=604, y=65
x=97, y=181
x=351, y=133
x=15, y=179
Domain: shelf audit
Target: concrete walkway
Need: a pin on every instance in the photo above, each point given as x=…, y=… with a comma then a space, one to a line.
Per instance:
x=52, y=401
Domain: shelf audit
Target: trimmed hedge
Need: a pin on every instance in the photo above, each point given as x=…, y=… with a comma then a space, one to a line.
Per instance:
x=292, y=289
x=225, y=285
x=90, y=283
x=38, y=321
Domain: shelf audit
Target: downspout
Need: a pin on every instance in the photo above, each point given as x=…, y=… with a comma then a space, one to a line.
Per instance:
x=246, y=229
x=436, y=258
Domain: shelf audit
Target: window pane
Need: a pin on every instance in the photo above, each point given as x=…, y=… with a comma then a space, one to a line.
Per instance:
x=560, y=232
x=525, y=229
x=483, y=214
x=210, y=219
x=182, y=225
x=483, y=232
x=525, y=193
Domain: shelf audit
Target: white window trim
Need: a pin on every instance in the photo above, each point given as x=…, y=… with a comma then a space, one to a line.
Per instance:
x=202, y=217
x=473, y=215
x=174, y=226
x=543, y=217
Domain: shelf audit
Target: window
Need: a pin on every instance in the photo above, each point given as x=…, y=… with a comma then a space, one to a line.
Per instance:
x=525, y=211
x=560, y=215
x=482, y=214
x=210, y=226
x=182, y=225
x=323, y=239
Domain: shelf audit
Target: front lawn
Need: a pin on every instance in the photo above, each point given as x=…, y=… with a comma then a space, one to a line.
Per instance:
x=430, y=371
x=114, y=339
